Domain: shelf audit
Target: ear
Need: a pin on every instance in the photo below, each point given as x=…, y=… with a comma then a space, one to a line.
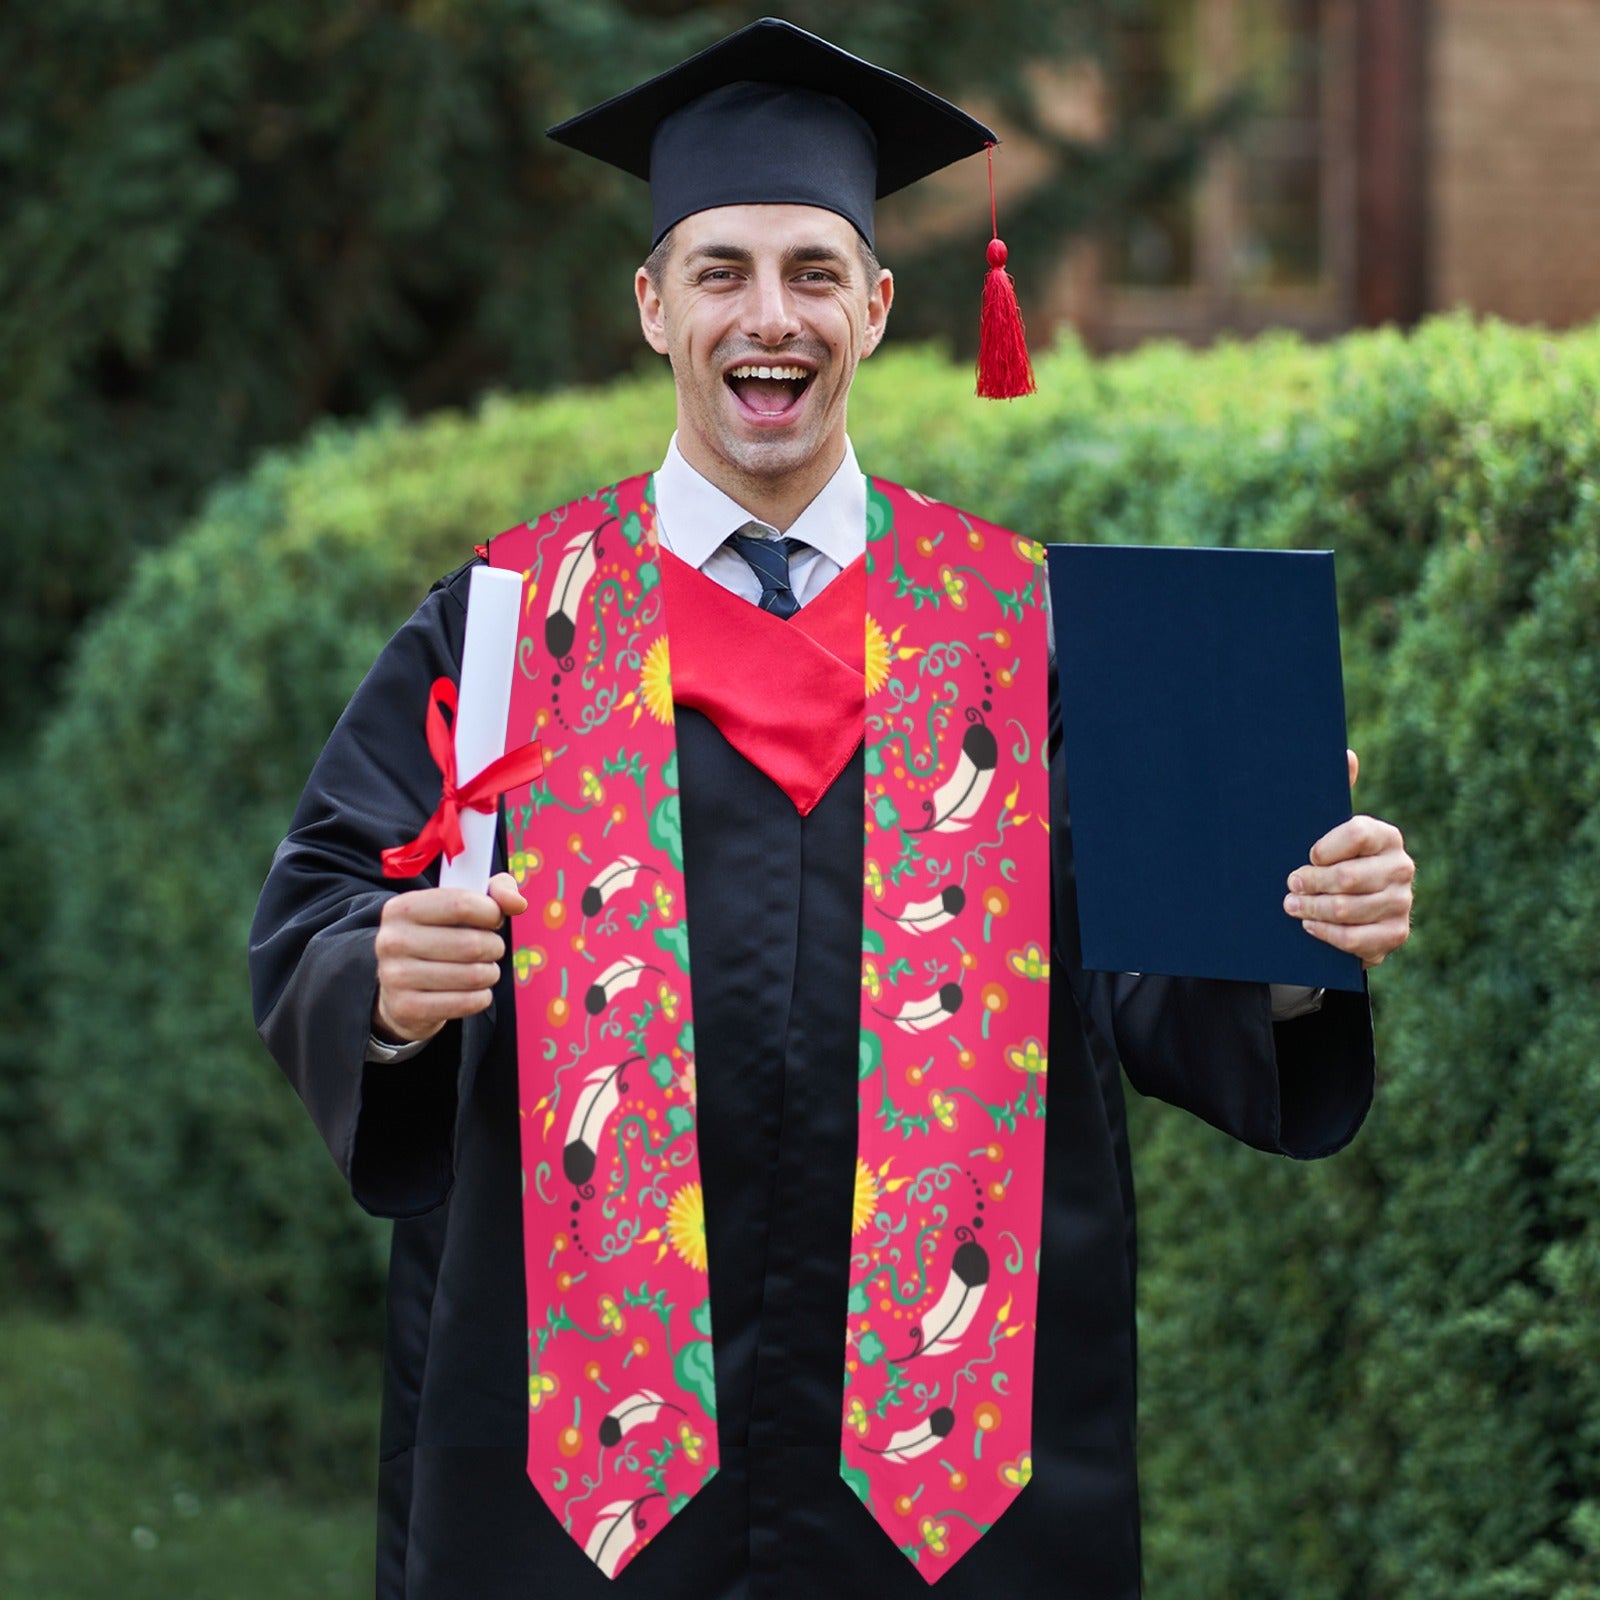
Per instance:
x=878, y=303
x=652, y=314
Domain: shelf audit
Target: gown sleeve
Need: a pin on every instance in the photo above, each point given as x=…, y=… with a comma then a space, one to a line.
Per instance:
x=1299, y=1088
x=390, y=1127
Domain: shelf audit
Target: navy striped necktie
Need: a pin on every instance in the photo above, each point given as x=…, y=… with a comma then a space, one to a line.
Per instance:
x=769, y=560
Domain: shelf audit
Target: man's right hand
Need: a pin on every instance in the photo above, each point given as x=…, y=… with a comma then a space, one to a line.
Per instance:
x=438, y=957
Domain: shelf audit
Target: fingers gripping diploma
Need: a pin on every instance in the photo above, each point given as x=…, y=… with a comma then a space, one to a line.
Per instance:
x=439, y=952
x=1355, y=893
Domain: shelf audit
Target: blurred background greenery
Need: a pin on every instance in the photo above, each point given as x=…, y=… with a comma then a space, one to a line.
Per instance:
x=295, y=307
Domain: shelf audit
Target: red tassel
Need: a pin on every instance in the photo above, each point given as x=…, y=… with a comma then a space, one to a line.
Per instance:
x=1004, y=370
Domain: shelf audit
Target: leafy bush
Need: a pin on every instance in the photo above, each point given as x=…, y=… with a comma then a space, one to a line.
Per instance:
x=95, y=1500
x=192, y=1210
x=1374, y=1377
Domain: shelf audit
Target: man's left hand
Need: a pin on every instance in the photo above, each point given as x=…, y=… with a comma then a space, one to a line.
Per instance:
x=1355, y=893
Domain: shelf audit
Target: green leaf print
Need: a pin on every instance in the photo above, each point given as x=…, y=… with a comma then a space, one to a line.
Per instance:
x=666, y=826
x=857, y=1479
x=696, y=1372
x=675, y=941
x=870, y=1057
x=880, y=513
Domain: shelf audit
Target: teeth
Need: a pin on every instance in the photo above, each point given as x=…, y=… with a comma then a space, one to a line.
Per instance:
x=798, y=374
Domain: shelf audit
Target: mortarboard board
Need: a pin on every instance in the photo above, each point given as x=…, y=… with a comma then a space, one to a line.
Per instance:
x=774, y=115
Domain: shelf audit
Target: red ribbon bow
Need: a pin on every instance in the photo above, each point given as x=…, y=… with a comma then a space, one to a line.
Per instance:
x=442, y=831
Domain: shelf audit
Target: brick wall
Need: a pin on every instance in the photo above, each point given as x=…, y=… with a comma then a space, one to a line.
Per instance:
x=1514, y=177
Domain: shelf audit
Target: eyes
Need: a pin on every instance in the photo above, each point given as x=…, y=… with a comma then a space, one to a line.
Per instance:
x=805, y=277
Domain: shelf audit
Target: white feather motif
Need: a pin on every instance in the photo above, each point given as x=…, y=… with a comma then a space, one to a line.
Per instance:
x=634, y=1412
x=929, y=1010
x=597, y=1099
x=610, y=880
x=578, y=563
x=960, y=797
x=614, y=1535
x=952, y=1314
x=620, y=975
x=924, y=916
x=909, y=1443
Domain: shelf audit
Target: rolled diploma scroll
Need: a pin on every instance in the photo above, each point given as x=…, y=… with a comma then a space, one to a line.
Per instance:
x=494, y=607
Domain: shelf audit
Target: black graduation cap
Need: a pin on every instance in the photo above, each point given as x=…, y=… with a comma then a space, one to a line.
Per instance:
x=774, y=115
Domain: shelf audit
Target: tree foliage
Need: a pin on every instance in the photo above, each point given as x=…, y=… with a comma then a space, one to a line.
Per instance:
x=218, y=224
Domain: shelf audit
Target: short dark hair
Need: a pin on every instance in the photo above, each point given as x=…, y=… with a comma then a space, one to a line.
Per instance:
x=655, y=264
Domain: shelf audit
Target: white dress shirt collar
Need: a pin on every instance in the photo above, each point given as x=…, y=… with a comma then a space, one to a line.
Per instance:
x=694, y=517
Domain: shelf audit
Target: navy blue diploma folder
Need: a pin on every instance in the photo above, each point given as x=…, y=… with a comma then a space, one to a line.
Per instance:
x=1202, y=711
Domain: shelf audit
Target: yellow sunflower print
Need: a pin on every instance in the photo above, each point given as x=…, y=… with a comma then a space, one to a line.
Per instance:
x=866, y=1200
x=877, y=662
x=686, y=1225
x=655, y=682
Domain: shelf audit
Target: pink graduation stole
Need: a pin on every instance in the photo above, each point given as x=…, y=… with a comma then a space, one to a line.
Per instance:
x=944, y=1247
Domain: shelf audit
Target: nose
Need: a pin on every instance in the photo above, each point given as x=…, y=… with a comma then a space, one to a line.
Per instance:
x=771, y=318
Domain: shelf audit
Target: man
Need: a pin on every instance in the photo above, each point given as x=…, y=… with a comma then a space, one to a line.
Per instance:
x=552, y=1417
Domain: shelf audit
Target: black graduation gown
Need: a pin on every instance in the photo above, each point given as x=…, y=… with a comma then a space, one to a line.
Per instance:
x=774, y=902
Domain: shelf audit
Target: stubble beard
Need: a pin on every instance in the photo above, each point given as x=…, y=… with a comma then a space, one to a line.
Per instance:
x=767, y=459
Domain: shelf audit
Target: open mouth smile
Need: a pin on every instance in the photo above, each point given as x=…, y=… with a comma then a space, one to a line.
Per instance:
x=769, y=392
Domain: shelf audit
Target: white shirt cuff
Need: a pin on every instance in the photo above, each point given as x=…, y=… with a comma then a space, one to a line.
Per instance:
x=379, y=1050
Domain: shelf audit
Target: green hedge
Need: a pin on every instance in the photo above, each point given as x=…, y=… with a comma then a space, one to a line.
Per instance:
x=1374, y=1377
x=1378, y=1377
x=194, y=1208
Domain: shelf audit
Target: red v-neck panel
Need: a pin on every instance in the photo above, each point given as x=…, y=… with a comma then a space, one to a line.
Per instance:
x=788, y=696
x=836, y=618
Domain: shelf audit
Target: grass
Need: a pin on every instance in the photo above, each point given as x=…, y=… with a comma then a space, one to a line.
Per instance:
x=93, y=1504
